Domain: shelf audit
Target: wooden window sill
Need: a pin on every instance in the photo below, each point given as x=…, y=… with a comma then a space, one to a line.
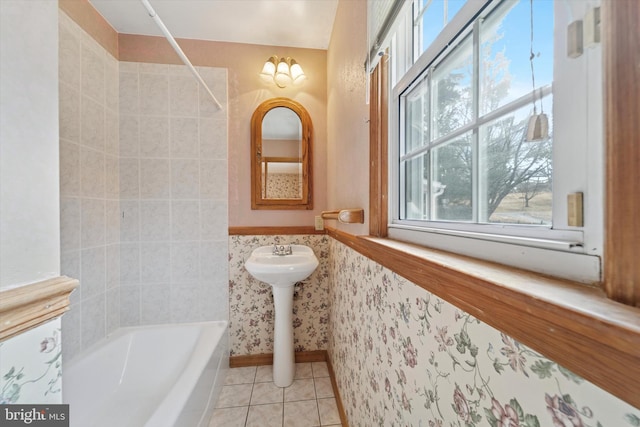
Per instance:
x=573, y=324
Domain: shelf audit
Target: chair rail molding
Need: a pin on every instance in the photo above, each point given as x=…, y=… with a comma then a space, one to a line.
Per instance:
x=24, y=307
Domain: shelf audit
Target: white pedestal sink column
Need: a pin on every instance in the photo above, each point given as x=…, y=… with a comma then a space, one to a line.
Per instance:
x=283, y=358
x=282, y=267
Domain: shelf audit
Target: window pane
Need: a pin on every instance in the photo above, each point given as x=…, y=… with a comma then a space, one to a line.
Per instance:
x=453, y=6
x=452, y=94
x=433, y=20
x=429, y=25
x=416, y=117
x=451, y=190
x=505, y=48
x=416, y=188
x=516, y=179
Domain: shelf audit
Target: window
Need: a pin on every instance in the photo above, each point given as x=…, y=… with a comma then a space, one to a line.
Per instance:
x=465, y=162
x=465, y=155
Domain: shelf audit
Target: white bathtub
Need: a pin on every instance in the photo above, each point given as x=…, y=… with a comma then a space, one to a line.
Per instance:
x=155, y=376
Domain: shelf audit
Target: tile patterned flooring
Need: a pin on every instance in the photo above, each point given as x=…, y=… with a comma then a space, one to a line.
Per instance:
x=249, y=398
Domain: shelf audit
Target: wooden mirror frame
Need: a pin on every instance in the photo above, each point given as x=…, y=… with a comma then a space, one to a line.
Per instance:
x=259, y=202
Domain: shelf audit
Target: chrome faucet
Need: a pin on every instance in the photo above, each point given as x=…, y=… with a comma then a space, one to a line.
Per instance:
x=282, y=250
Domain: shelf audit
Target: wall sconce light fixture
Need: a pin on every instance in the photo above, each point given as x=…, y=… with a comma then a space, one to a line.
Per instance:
x=282, y=71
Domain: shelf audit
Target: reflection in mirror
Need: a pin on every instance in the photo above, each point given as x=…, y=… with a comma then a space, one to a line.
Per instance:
x=281, y=156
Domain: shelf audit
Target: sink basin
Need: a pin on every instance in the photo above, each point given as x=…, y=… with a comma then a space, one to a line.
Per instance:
x=281, y=270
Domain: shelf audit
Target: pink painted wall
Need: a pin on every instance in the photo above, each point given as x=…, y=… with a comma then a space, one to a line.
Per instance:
x=348, y=114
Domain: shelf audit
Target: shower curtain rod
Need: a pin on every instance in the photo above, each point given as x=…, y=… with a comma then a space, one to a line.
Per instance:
x=176, y=47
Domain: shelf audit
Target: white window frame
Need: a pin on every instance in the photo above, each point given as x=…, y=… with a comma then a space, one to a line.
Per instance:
x=564, y=251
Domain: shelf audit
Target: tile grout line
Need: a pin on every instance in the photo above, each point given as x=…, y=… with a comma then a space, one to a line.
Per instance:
x=317, y=404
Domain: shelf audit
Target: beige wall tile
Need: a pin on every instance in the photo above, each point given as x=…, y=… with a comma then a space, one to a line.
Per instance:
x=154, y=94
x=184, y=137
x=154, y=139
x=69, y=113
x=92, y=124
x=69, y=169
x=92, y=73
x=183, y=96
x=92, y=173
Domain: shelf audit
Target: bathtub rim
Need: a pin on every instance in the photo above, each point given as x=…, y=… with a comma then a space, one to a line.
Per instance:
x=121, y=331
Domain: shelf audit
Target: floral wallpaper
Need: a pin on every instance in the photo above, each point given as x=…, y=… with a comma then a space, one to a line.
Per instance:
x=31, y=366
x=283, y=186
x=404, y=357
x=251, y=312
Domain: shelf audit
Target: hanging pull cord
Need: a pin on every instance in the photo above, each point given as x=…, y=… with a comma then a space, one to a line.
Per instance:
x=531, y=58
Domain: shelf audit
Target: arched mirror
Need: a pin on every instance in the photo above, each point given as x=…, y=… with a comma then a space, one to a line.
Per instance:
x=281, y=134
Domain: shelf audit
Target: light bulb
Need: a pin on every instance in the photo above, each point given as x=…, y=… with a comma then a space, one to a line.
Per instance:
x=282, y=77
x=297, y=75
x=269, y=70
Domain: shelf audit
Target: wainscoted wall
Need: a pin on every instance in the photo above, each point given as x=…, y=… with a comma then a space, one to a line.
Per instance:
x=404, y=357
x=31, y=366
x=173, y=195
x=283, y=186
x=89, y=206
x=251, y=302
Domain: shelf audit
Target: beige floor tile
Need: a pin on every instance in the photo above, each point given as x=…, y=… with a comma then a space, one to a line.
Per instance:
x=320, y=369
x=303, y=413
x=266, y=393
x=265, y=415
x=245, y=375
x=300, y=390
x=229, y=417
x=235, y=395
x=250, y=398
x=328, y=409
x=264, y=374
x=323, y=387
x=303, y=370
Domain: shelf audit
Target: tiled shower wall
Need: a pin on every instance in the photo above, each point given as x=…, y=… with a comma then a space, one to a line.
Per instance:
x=404, y=357
x=143, y=183
x=88, y=95
x=173, y=195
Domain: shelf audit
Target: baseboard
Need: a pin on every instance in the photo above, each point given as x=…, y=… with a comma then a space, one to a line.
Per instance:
x=334, y=384
x=267, y=358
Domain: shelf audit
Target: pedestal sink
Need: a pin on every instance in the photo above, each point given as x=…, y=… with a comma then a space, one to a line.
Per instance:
x=281, y=267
